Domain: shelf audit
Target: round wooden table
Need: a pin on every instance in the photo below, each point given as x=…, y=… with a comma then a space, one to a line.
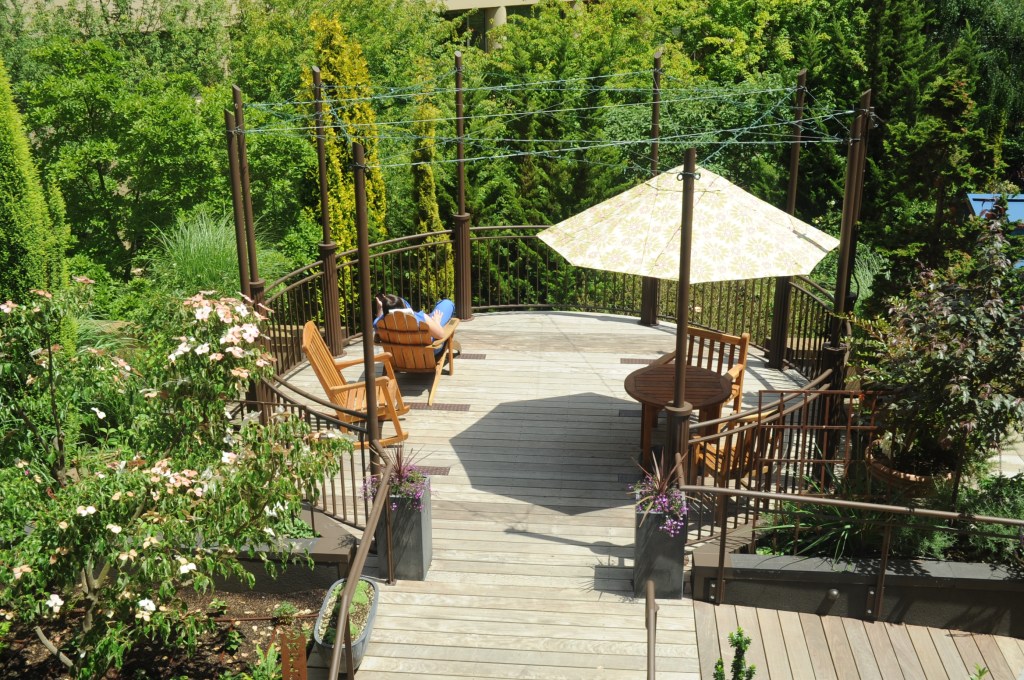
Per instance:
x=654, y=387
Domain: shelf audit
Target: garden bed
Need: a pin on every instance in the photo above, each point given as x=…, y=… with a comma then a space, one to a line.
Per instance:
x=248, y=623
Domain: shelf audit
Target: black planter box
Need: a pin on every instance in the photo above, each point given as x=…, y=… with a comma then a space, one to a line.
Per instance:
x=657, y=557
x=411, y=539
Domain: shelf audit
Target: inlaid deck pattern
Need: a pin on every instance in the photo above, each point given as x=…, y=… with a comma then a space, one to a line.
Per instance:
x=532, y=525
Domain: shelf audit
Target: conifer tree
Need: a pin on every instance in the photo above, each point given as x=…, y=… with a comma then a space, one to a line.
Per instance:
x=31, y=243
x=348, y=118
x=437, y=271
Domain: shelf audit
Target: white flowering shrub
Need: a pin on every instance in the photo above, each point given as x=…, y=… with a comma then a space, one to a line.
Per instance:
x=124, y=481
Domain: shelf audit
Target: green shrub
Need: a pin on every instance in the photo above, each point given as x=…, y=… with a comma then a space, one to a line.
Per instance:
x=125, y=479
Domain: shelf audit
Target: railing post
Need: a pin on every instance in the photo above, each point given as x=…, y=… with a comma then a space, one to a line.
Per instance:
x=651, y=620
x=328, y=248
x=460, y=232
x=236, y=203
x=365, y=295
x=649, y=285
x=256, y=284
x=780, y=311
x=875, y=604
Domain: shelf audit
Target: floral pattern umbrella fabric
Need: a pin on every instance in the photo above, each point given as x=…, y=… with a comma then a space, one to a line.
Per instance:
x=735, y=234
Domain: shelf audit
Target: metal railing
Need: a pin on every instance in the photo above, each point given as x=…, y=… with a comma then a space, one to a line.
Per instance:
x=342, y=630
x=514, y=270
x=340, y=496
x=293, y=299
x=874, y=514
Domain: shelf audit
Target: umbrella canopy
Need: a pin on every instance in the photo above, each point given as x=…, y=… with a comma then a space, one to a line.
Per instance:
x=735, y=234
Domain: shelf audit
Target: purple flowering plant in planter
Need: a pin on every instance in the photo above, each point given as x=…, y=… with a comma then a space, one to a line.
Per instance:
x=407, y=480
x=657, y=494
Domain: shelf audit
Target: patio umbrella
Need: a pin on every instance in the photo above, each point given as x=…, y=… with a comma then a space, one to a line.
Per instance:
x=735, y=234
x=691, y=225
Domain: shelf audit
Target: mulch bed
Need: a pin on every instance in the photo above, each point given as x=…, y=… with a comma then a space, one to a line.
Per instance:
x=247, y=623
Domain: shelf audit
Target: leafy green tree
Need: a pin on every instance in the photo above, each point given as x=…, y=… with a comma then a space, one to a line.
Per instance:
x=32, y=241
x=127, y=152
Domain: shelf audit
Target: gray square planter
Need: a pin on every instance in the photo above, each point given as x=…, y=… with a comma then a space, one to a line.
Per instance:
x=658, y=557
x=411, y=539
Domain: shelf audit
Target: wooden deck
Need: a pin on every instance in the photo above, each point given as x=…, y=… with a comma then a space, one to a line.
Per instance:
x=791, y=646
x=532, y=525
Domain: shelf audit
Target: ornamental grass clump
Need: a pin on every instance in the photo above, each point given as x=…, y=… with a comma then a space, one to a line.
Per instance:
x=408, y=481
x=126, y=479
x=657, y=494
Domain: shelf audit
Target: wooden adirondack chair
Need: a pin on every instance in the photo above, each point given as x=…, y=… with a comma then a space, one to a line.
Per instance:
x=351, y=396
x=414, y=350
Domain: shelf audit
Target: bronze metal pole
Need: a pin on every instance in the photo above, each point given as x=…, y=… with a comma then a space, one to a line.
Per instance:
x=236, y=203
x=864, y=111
x=848, y=219
x=365, y=294
x=460, y=231
x=780, y=310
x=648, y=284
x=679, y=410
x=243, y=166
x=328, y=248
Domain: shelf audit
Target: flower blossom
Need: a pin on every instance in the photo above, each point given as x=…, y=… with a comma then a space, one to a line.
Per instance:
x=240, y=373
x=186, y=566
x=250, y=332
x=128, y=556
x=19, y=571
x=224, y=313
x=203, y=312
x=216, y=356
x=203, y=348
x=146, y=609
x=8, y=307
x=228, y=457
x=62, y=525
x=83, y=279
x=54, y=602
x=232, y=336
x=83, y=511
x=149, y=541
x=43, y=293
x=235, y=351
x=99, y=414
x=241, y=310
x=114, y=529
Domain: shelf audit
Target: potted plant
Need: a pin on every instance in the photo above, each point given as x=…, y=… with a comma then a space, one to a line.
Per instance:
x=408, y=513
x=948, y=367
x=660, y=533
x=361, y=614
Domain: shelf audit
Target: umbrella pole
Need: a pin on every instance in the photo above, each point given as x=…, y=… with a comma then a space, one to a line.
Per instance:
x=679, y=410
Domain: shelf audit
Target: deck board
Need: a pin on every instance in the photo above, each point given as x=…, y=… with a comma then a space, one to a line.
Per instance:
x=533, y=529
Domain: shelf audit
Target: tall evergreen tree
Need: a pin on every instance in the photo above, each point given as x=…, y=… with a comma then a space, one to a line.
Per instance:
x=348, y=118
x=437, y=268
x=32, y=244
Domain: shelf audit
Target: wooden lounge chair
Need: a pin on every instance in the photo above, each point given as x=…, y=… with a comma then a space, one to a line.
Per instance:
x=414, y=350
x=351, y=396
x=720, y=353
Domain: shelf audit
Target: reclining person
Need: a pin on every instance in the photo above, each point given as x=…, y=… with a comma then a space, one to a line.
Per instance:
x=385, y=303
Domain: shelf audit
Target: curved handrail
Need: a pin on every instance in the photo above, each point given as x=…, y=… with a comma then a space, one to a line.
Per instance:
x=356, y=571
